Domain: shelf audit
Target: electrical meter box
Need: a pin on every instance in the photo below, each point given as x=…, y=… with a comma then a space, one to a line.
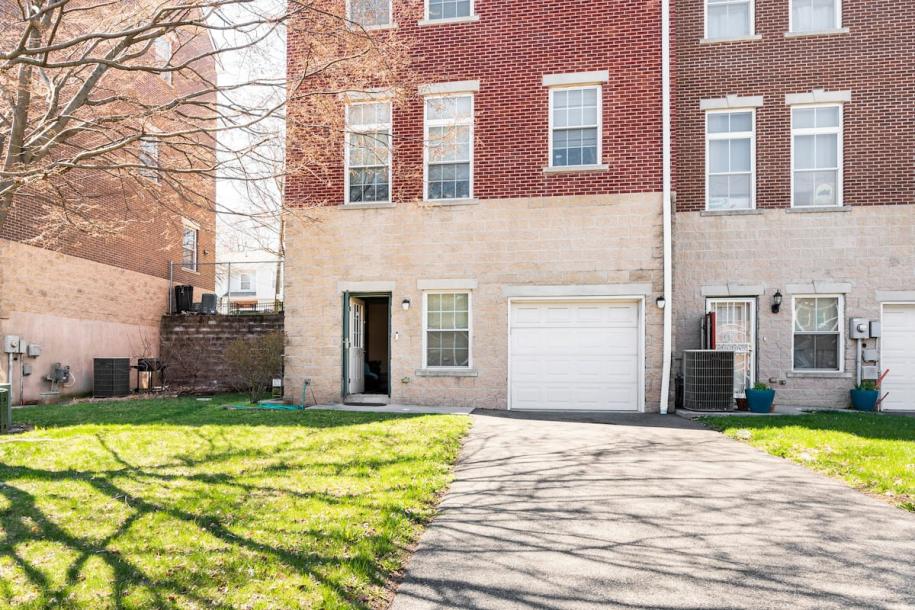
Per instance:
x=875, y=329
x=33, y=350
x=870, y=355
x=870, y=373
x=11, y=344
x=858, y=328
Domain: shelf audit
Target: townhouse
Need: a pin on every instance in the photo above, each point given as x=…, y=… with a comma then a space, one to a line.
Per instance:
x=795, y=185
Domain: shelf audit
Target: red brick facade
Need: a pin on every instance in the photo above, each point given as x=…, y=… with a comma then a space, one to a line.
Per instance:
x=875, y=60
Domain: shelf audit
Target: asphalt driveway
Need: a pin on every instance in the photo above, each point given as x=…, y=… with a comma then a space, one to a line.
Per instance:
x=650, y=512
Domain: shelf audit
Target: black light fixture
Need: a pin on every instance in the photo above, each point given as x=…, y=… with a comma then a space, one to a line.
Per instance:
x=405, y=304
x=661, y=302
x=776, y=301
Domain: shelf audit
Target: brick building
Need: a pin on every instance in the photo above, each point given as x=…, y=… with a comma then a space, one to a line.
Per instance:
x=795, y=176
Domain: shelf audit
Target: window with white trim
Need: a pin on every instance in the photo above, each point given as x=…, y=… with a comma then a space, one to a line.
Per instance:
x=816, y=15
x=575, y=126
x=728, y=18
x=189, y=246
x=162, y=47
x=446, y=330
x=370, y=13
x=246, y=281
x=148, y=157
x=816, y=153
x=449, y=147
x=818, y=339
x=448, y=9
x=730, y=142
x=368, y=152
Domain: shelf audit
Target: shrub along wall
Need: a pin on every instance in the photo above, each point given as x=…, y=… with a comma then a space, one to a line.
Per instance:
x=194, y=348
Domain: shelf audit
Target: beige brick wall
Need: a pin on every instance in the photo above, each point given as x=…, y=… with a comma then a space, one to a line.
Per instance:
x=545, y=241
x=872, y=248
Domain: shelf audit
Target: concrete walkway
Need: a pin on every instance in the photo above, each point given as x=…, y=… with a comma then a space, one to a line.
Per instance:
x=650, y=512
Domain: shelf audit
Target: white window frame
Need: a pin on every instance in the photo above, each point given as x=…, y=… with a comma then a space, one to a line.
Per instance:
x=427, y=123
x=600, y=127
x=836, y=26
x=841, y=324
x=425, y=340
x=730, y=136
x=381, y=26
x=150, y=172
x=427, y=20
x=251, y=277
x=840, y=152
x=167, y=76
x=192, y=226
x=368, y=128
x=752, y=31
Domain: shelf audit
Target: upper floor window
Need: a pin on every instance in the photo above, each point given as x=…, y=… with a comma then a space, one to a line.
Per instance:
x=189, y=240
x=438, y=10
x=575, y=126
x=148, y=157
x=449, y=147
x=370, y=13
x=816, y=15
x=368, y=152
x=816, y=152
x=246, y=281
x=730, y=163
x=162, y=47
x=728, y=18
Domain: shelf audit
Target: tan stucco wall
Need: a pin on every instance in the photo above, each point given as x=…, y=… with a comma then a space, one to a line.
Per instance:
x=594, y=240
x=76, y=310
x=871, y=248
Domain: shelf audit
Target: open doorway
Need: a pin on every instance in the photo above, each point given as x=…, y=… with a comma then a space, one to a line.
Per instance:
x=367, y=348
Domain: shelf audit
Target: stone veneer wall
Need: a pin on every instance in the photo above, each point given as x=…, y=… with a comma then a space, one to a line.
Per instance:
x=581, y=240
x=194, y=347
x=871, y=248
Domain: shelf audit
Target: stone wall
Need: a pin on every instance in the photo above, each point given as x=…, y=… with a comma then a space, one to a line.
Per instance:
x=193, y=347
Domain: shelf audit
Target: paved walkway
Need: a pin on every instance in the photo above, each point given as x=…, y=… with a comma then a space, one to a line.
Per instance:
x=652, y=512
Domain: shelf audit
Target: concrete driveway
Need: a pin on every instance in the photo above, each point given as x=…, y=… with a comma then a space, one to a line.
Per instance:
x=650, y=512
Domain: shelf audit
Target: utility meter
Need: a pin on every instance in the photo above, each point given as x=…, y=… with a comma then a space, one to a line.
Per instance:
x=858, y=328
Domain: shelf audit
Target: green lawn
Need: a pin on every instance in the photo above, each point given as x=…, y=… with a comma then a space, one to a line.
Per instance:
x=872, y=452
x=180, y=503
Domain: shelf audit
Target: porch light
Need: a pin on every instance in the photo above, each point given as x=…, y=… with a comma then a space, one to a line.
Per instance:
x=405, y=304
x=661, y=302
x=776, y=301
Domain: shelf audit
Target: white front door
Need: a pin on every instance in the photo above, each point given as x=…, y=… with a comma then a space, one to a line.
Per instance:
x=575, y=355
x=356, y=346
x=898, y=357
x=735, y=331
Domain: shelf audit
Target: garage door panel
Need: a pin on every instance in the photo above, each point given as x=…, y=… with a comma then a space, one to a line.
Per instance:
x=898, y=357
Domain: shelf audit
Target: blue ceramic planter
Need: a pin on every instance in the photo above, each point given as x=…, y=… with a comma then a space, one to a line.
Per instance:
x=760, y=401
x=864, y=400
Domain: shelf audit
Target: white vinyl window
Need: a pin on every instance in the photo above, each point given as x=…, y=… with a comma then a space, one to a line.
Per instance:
x=368, y=152
x=816, y=15
x=370, y=13
x=189, y=246
x=148, y=157
x=818, y=333
x=449, y=147
x=446, y=330
x=162, y=47
x=575, y=126
x=816, y=156
x=728, y=18
x=441, y=10
x=730, y=160
x=246, y=281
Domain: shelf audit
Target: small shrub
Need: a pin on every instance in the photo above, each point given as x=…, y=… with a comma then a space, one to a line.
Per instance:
x=255, y=363
x=760, y=386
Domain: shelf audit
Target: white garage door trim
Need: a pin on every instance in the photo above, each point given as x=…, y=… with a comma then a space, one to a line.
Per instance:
x=637, y=299
x=883, y=334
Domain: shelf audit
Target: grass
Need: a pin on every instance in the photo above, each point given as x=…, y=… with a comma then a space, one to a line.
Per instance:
x=874, y=453
x=177, y=503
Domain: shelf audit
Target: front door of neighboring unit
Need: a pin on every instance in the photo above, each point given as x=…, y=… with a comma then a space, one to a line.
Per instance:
x=575, y=354
x=366, y=347
x=898, y=357
x=735, y=331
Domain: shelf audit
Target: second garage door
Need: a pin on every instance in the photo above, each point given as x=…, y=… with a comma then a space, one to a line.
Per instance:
x=899, y=357
x=575, y=355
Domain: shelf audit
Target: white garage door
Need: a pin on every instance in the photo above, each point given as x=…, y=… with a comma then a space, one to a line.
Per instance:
x=576, y=355
x=898, y=347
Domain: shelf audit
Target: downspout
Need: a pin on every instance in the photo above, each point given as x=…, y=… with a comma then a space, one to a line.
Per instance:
x=667, y=347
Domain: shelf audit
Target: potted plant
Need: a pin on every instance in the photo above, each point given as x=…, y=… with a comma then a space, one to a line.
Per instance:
x=865, y=396
x=760, y=398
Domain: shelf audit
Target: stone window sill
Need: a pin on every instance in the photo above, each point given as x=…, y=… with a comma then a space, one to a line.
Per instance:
x=571, y=169
x=469, y=19
x=817, y=33
x=750, y=38
x=447, y=373
x=818, y=375
x=443, y=203
x=814, y=210
x=368, y=206
x=730, y=212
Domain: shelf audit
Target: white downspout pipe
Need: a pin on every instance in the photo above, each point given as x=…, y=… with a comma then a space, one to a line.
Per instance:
x=667, y=345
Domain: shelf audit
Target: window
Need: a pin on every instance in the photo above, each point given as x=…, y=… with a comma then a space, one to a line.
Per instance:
x=448, y=9
x=368, y=152
x=818, y=333
x=370, y=13
x=162, y=47
x=447, y=330
x=575, y=126
x=449, y=147
x=730, y=160
x=816, y=152
x=148, y=158
x=246, y=281
x=728, y=18
x=816, y=15
x=189, y=247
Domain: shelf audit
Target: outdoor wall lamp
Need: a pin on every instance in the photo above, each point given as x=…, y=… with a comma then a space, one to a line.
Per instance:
x=776, y=301
x=405, y=304
x=661, y=302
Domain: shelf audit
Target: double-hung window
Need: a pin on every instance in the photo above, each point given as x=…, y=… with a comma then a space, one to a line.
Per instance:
x=148, y=157
x=162, y=47
x=816, y=152
x=370, y=13
x=368, y=152
x=246, y=281
x=818, y=333
x=728, y=18
x=189, y=240
x=730, y=160
x=441, y=10
x=816, y=15
x=575, y=126
x=449, y=147
x=446, y=330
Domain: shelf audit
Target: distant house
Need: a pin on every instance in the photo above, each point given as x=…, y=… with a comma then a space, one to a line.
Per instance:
x=249, y=281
